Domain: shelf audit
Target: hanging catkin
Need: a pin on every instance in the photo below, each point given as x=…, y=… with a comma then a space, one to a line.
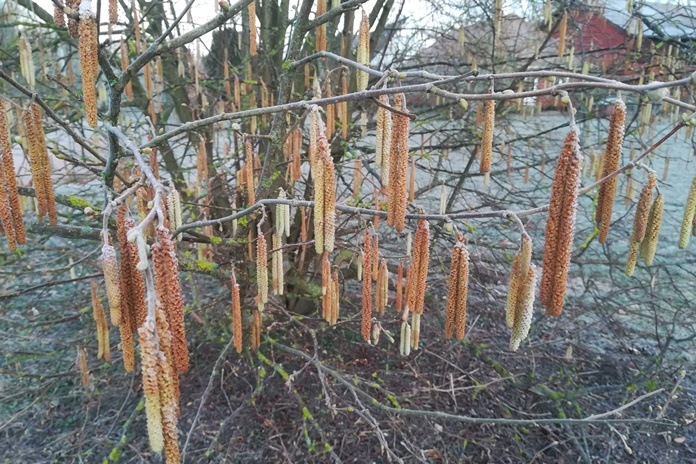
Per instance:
x=520, y=300
x=525, y=308
x=329, y=179
x=367, y=286
x=249, y=166
x=458, y=286
x=382, y=287
x=384, y=135
x=334, y=298
x=104, y=350
x=649, y=243
x=153, y=405
x=236, y=315
x=325, y=286
x=363, y=52
x=174, y=210
x=11, y=211
x=166, y=268
x=256, y=330
x=58, y=16
x=89, y=66
x=418, y=271
x=560, y=225
x=84, y=367
x=111, y=279
x=399, y=287
x=126, y=292
x=261, y=269
x=487, y=140
x=321, y=30
x=168, y=384
x=113, y=11
x=689, y=213
x=398, y=167
x=252, y=28
x=611, y=160
x=562, y=29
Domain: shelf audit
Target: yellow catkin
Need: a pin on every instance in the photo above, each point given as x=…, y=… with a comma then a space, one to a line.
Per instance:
x=513, y=290
x=261, y=269
x=381, y=287
x=399, y=287
x=84, y=367
x=363, y=52
x=357, y=178
x=321, y=30
x=319, y=204
x=525, y=308
x=151, y=390
x=125, y=62
x=384, y=131
x=252, y=28
x=10, y=179
x=102, y=327
x=487, y=138
x=649, y=243
x=398, y=167
x=249, y=167
x=236, y=315
x=462, y=294
x=367, y=286
x=375, y=257
x=415, y=330
x=560, y=225
x=112, y=281
x=113, y=11
x=174, y=210
x=640, y=221
x=689, y=213
x=633, y=248
x=89, y=67
x=325, y=286
x=335, y=308
x=562, y=29
x=610, y=163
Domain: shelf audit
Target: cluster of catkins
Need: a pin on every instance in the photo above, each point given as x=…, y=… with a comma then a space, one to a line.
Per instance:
x=158, y=320
x=10, y=209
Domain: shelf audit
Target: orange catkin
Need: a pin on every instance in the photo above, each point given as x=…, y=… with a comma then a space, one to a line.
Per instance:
x=367, y=286
x=611, y=160
x=10, y=181
x=453, y=287
x=560, y=225
x=398, y=167
x=59, y=16
x=418, y=271
x=236, y=315
x=166, y=266
x=45, y=163
x=562, y=29
x=168, y=384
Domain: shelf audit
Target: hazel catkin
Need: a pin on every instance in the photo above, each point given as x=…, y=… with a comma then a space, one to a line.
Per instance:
x=236, y=315
x=611, y=160
x=363, y=51
x=367, y=286
x=688, y=219
x=560, y=225
x=649, y=243
x=88, y=49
